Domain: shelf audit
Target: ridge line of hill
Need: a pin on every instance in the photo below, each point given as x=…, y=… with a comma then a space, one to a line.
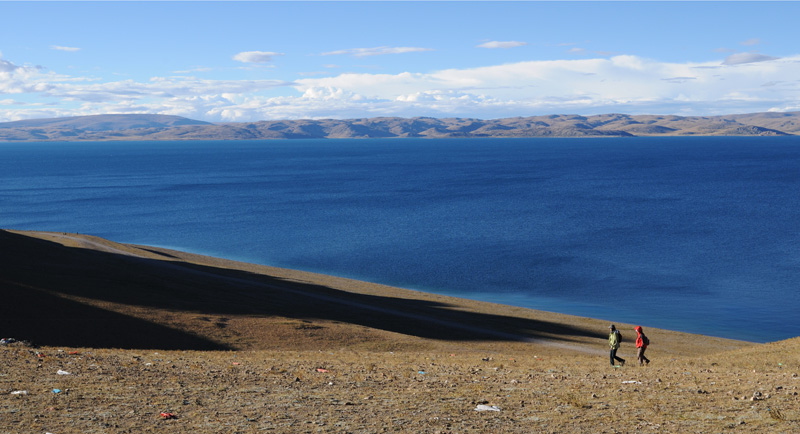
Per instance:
x=166, y=127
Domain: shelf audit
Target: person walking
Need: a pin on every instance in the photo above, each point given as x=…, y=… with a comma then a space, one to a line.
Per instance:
x=614, y=340
x=641, y=344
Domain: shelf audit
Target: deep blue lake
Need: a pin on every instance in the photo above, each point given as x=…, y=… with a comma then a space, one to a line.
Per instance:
x=692, y=234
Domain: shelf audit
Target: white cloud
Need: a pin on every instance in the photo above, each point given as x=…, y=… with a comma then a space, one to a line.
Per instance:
x=588, y=85
x=73, y=96
x=502, y=44
x=751, y=42
x=742, y=58
x=6, y=66
x=376, y=51
x=593, y=85
x=16, y=79
x=196, y=69
x=63, y=48
x=256, y=56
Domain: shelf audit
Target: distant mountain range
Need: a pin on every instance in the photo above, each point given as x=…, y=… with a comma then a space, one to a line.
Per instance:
x=164, y=127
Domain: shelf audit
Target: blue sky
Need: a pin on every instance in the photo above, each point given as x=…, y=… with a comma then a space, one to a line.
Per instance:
x=249, y=61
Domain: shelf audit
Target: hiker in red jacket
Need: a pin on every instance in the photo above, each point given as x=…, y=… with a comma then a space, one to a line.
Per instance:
x=641, y=344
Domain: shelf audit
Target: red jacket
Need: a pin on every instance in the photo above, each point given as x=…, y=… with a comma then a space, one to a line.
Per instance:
x=639, y=334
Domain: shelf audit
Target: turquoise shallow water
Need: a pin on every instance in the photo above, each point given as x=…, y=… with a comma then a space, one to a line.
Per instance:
x=693, y=234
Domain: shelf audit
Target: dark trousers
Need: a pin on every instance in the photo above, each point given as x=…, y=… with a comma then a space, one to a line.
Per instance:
x=614, y=357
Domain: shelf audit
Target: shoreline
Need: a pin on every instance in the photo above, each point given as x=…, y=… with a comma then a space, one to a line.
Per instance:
x=484, y=297
x=256, y=302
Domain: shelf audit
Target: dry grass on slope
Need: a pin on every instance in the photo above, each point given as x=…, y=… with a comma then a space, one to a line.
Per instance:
x=292, y=352
x=59, y=287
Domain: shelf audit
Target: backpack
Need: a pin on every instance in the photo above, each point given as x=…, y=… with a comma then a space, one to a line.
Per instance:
x=619, y=336
x=645, y=340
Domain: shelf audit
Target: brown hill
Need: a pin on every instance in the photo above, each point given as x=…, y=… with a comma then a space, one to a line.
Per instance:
x=159, y=127
x=322, y=354
x=59, y=288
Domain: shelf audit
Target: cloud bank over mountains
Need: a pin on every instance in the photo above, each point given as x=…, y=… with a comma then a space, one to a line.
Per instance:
x=741, y=82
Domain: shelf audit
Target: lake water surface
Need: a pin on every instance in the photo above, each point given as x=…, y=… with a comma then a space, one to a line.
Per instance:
x=691, y=234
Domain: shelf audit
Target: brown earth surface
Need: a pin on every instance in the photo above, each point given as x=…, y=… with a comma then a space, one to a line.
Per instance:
x=229, y=347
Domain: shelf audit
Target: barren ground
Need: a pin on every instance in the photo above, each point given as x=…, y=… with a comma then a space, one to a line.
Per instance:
x=238, y=348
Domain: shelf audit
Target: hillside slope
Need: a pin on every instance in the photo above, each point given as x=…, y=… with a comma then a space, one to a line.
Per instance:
x=59, y=287
x=131, y=338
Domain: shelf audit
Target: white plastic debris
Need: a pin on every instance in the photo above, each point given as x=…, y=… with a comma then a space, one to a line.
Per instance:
x=19, y=392
x=483, y=407
x=632, y=382
x=60, y=372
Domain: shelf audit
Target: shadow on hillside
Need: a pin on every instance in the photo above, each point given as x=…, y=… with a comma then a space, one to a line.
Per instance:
x=43, y=319
x=32, y=269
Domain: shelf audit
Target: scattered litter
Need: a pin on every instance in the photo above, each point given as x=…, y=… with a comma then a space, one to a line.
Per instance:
x=236, y=363
x=169, y=415
x=483, y=407
x=6, y=341
x=632, y=382
x=19, y=392
x=60, y=372
x=73, y=353
x=323, y=370
x=56, y=391
x=40, y=355
x=421, y=372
